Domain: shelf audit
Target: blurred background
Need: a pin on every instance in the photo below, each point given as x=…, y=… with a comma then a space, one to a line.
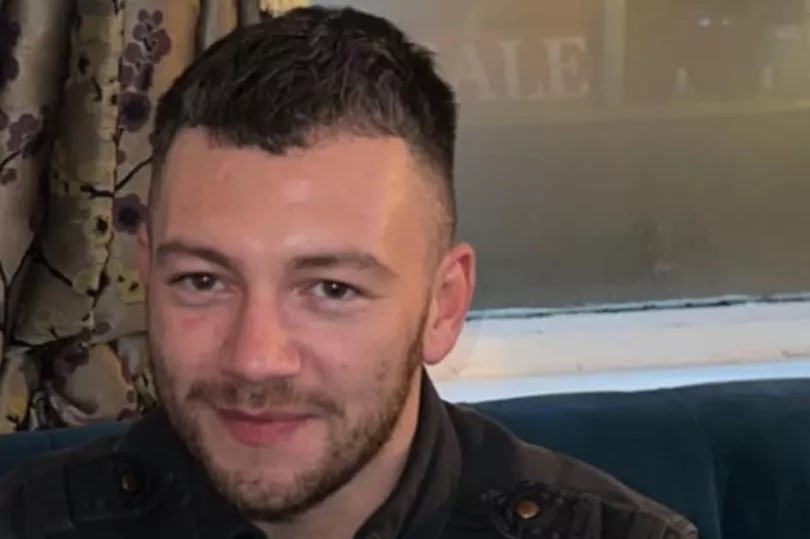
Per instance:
x=619, y=159
x=627, y=150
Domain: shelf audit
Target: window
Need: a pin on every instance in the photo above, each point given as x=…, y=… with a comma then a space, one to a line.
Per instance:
x=616, y=151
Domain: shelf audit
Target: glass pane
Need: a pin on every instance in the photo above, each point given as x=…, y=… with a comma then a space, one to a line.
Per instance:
x=627, y=150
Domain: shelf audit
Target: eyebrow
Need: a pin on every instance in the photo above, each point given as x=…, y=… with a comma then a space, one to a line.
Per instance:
x=330, y=260
x=174, y=248
x=356, y=259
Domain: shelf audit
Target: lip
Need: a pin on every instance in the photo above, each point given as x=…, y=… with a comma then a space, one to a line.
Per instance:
x=262, y=429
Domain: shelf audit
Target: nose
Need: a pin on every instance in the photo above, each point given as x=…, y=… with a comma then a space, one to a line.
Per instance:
x=260, y=345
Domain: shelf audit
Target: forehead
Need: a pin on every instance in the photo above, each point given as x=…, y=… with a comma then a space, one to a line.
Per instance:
x=342, y=189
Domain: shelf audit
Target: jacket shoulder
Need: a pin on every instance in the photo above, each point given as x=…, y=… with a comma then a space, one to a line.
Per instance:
x=34, y=493
x=520, y=481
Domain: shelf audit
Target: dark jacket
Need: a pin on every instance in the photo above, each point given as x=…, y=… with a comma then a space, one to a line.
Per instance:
x=466, y=478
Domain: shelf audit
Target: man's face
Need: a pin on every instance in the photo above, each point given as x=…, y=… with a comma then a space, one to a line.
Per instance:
x=287, y=299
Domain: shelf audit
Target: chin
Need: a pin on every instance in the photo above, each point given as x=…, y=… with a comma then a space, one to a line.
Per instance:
x=264, y=487
x=244, y=480
x=238, y=467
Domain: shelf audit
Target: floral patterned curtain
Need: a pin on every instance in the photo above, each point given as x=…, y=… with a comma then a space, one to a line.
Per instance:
x=79, y=81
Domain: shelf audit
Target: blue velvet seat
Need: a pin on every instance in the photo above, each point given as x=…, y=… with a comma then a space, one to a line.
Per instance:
x=734, y=458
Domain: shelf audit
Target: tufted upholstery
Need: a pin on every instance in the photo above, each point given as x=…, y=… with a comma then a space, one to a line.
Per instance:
x=734, y=458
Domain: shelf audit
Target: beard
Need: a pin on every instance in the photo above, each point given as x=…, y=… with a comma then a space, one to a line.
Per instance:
x=351, y=442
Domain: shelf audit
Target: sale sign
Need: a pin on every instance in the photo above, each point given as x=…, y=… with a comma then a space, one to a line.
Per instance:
x=515, y=51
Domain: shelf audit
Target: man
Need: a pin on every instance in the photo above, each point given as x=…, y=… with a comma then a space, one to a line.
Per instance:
x=301, y=270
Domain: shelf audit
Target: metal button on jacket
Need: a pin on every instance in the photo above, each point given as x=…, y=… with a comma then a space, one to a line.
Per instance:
x=527, y=509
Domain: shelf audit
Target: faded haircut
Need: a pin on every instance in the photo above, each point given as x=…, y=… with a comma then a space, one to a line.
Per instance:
x=311, y=73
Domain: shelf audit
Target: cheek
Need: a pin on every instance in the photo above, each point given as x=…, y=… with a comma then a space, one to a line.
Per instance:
x=190, y=341
x=349, y=357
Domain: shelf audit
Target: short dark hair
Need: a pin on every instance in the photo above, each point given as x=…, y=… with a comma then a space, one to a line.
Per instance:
x=277, y=84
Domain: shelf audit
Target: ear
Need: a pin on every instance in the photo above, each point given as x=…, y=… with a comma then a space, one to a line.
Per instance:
x=144, y=254
x=451, y=299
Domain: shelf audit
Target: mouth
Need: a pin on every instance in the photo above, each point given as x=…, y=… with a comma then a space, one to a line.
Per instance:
x=262, y=429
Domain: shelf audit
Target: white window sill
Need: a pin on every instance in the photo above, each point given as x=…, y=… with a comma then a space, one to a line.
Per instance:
x=518, y=355
x=478, y=390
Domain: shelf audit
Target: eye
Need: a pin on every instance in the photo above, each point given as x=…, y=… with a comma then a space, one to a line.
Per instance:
x=335, y=291
x=198, y=282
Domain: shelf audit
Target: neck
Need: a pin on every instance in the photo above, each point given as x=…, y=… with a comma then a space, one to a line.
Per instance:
x=345, y=511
